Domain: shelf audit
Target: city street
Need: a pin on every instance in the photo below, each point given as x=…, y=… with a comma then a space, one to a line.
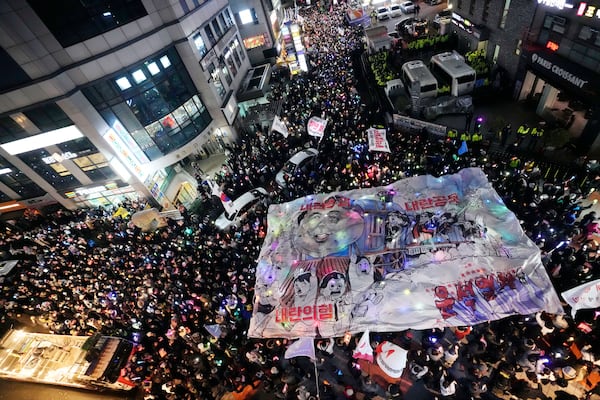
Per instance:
x=426, y=12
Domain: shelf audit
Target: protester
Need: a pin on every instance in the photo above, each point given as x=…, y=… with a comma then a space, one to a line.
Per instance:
x=184, y=293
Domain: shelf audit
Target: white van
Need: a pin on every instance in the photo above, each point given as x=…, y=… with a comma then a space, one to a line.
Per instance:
x=418, y=80
x=452, y=71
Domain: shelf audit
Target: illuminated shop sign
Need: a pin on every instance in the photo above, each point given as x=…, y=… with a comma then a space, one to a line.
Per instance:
x=126, y=156
x=560, y=72
x=255, y=41
x=588, y=10
x=552, y=45
x=560, y=4
x=462, y=23
x=479, y=32
x=54, y=158
x=90, y=191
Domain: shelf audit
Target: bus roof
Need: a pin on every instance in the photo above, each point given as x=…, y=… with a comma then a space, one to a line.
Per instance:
x=418, y=71
x=453, y=63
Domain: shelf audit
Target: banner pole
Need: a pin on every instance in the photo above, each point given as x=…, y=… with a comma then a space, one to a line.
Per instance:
x=316, y=378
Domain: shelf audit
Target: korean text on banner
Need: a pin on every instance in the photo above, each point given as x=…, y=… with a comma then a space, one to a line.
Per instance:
x=423, y=252
x=316, y=126
x=378, y=140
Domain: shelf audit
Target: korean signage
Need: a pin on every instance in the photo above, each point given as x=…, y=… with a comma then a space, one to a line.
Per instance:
x=588, y=10
x=560, y=4
x=56, y=158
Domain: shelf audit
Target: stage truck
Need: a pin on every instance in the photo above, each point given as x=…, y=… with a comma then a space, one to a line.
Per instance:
x=84, y=362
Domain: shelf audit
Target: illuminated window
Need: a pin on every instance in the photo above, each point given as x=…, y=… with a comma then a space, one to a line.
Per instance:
x=246, y=17
x=200, y=46
x=60, y=169
x=166, y=63
x=153, y=68
x=139, y=76
x=504, y=14
x=123, y=83
x=91, y=162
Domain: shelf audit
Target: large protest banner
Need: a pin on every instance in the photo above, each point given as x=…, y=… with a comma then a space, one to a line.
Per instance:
x=420, y=253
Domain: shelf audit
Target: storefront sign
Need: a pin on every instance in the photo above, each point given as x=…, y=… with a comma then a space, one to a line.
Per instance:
x=462, y=23
x=560, y=4
x=551, y=45
x=54, y=158
x=478, y=31
x=588, y=10
x=536, y=59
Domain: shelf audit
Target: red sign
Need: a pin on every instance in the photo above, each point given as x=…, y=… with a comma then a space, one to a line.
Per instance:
x=551, y=45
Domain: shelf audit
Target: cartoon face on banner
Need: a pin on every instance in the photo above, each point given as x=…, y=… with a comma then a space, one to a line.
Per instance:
x=327, y=231
x=334, y=286
x=424, y=252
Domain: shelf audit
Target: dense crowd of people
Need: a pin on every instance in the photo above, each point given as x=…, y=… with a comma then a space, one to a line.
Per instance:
x=89, y=271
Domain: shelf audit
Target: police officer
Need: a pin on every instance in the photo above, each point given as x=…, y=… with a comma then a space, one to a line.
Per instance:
x=505, y=134
x=522, y=133
x=536, y=134
x=452, y=134
x=465, y=136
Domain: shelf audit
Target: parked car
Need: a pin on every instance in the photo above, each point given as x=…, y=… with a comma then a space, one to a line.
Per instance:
x=447, y=13
x=434, y=2
x=407, y=7
x=383, y=13
x=298, y=162
x=402, y=26
x=395, y=10
x=235, y=214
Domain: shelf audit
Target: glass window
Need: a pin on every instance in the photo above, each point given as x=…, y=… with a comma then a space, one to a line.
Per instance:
x=223, y=22
x=228, y=19
x=54, y=175
x=166, y=63
x=216, y=80
x=190, y=107
x=236, y=43
x=21, y=184
x=230, y=63
x=73, y=21
x=199, y=104
x=505, y=11
x=10, y=130
x=246, y=16
x=153, y=68
x=200, y=46
x=226, y=74
x=216, y=27
x=235, y=54
x=123, y=83
x=210, y=35
x=138, y=76
x=48, y=117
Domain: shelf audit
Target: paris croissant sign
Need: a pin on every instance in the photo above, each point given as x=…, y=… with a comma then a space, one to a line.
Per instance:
x=558, y=71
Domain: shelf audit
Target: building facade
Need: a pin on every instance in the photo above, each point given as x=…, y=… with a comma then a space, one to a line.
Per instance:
x=496, y=27
x=103, y=101
x=559, y=69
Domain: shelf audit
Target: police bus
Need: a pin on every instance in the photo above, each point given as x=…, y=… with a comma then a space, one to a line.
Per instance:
x=84, y=362
x=452, y=71
x=418, y=80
